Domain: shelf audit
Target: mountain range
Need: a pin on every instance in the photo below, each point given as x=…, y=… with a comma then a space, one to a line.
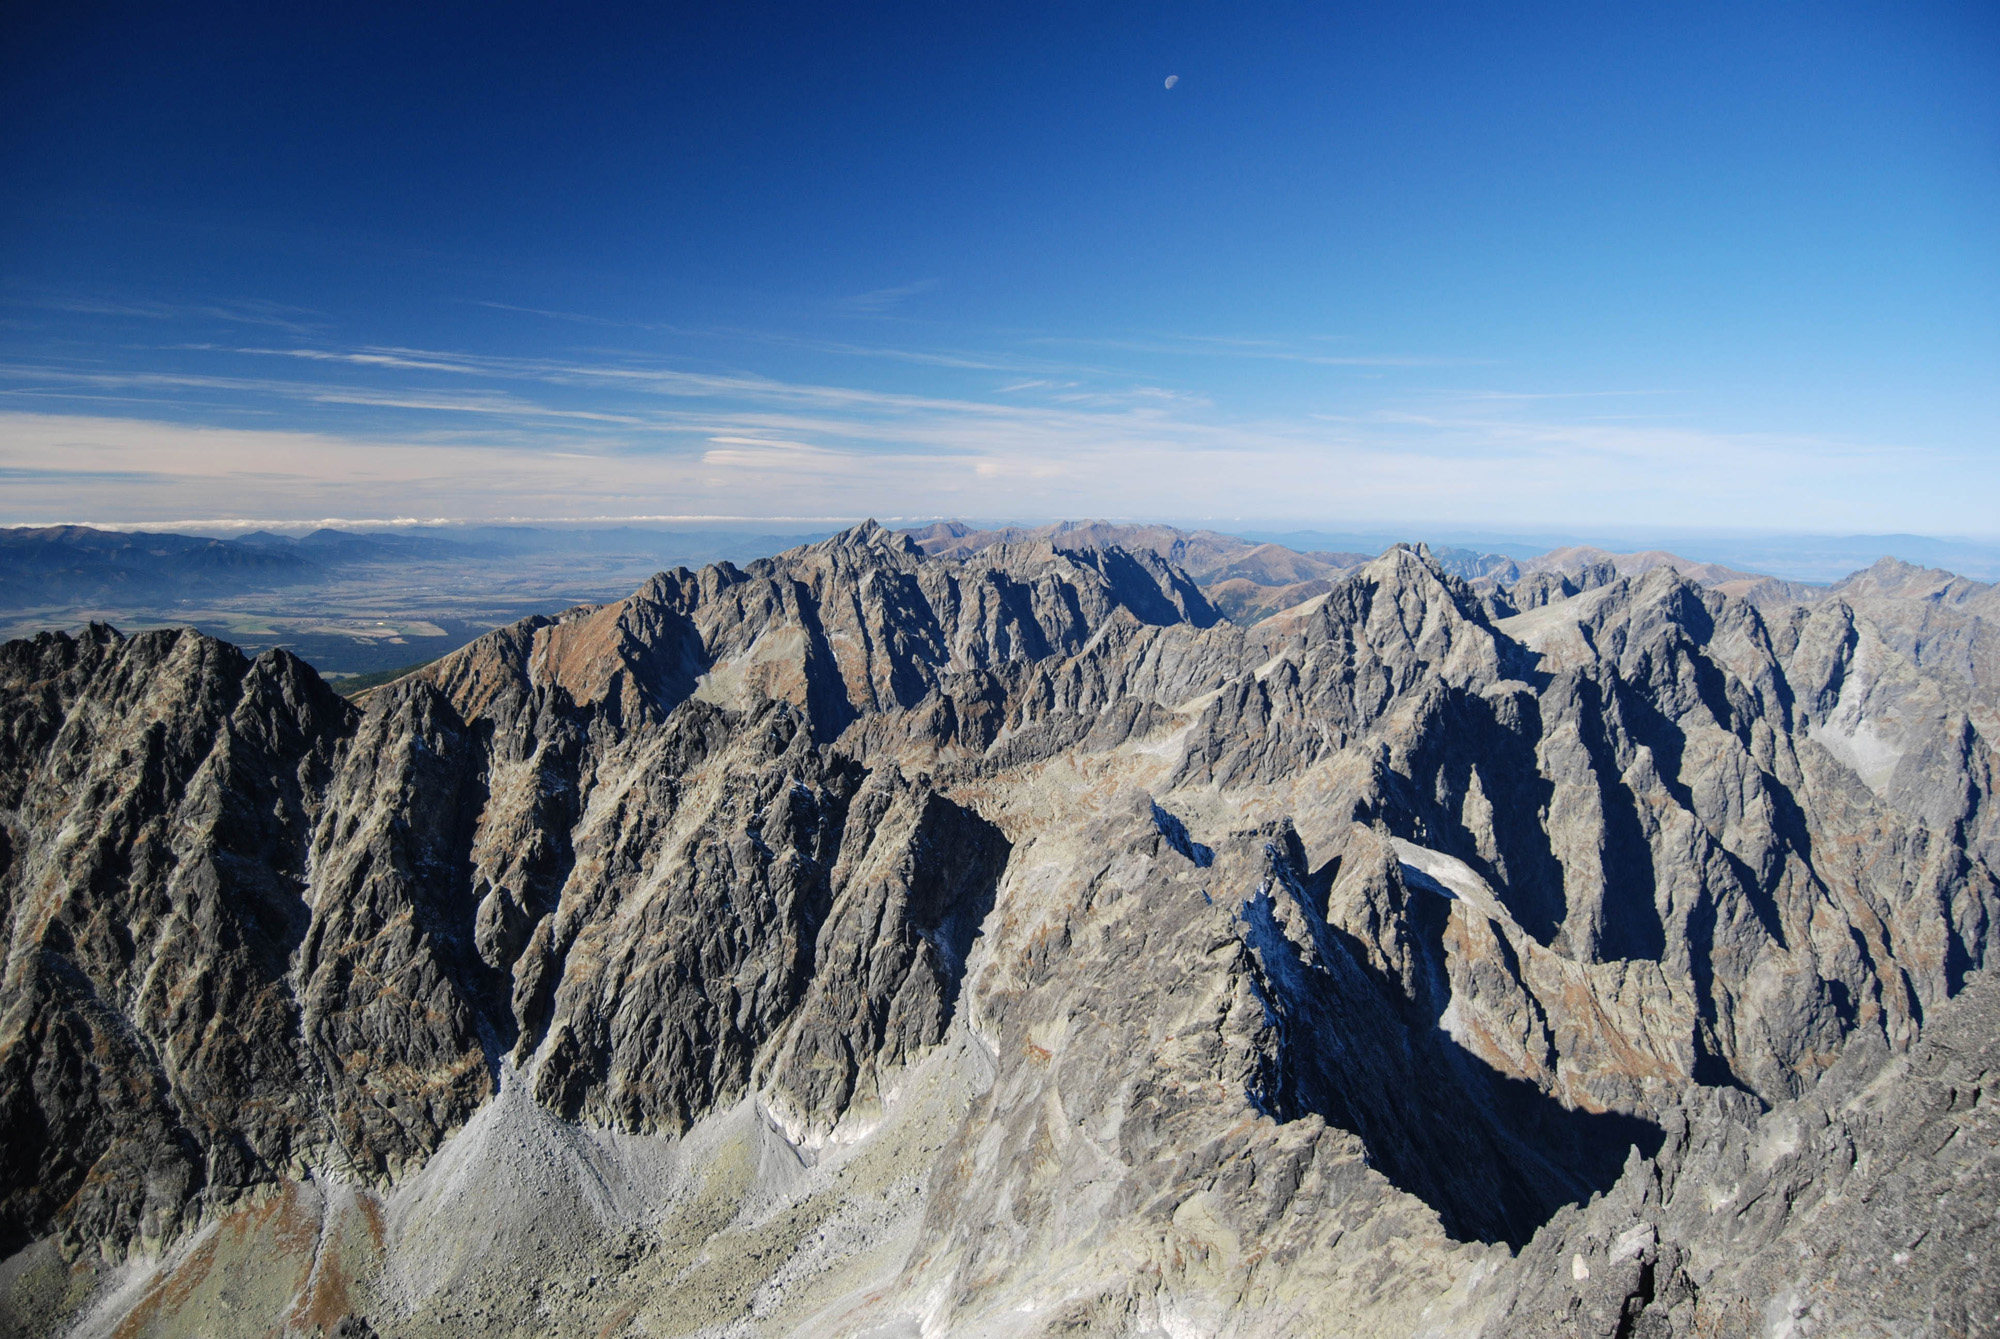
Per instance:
x=1003, y=933
x=352, y=602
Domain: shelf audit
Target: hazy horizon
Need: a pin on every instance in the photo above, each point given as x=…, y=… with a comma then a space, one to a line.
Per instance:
x=1812, y=558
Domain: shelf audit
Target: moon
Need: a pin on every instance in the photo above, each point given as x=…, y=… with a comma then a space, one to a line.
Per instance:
x=1173, y=79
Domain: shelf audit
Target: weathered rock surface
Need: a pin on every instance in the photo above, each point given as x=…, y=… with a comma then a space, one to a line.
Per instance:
x=1243, y=579
x=1945, y=623
x=1866, y=1207
x=868, y=942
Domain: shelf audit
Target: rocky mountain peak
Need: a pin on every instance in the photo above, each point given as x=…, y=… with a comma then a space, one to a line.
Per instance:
x=1893, y=578
x=869, y=534
x=858, y=941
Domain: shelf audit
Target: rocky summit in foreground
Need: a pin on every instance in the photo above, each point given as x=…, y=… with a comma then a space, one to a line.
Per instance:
x=867, y=943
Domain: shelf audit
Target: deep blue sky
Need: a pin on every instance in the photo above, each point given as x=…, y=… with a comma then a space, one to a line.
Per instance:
x=1571, y=265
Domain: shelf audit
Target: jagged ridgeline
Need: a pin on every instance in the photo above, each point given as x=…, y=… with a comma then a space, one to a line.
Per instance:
x=867, y=943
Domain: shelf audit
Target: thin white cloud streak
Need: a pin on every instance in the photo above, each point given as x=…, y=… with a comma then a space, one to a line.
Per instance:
x=952, y=358
x=254, y=311
x=968, y=362
x=1206, y=346
x=319, y=393
x=958, y=359
x=882, y=299
x=660, y=380
x=296, y=525
x=676, y=383
x=580, y=318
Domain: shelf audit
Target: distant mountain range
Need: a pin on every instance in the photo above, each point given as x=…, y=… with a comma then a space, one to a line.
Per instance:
x=73, y=563
x=65, y=575
x=351, y=602
x=78, y=564
x=981, y=936
x=1937, y=618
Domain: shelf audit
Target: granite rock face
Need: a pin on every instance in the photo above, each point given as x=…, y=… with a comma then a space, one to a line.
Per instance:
x=1865, y=1207
x=864, y=941
x=162, y=795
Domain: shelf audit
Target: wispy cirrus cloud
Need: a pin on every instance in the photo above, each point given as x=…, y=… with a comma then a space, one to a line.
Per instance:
x=577, y=318
x=39, y=380
x=293, y=320
x=657, y=379
x=1281, y=351
x=880, y=300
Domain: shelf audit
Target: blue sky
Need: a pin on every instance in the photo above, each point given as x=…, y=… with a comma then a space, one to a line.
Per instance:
x=1581, y=267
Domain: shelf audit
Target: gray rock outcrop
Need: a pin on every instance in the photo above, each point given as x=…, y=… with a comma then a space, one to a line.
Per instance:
x=867, y=942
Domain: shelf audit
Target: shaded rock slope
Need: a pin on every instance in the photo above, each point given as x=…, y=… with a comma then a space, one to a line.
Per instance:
x=875, y=943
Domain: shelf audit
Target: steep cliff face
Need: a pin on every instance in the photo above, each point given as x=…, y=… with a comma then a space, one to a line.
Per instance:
x=1864, y=1207
x=999, y=944
x=161, y=795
